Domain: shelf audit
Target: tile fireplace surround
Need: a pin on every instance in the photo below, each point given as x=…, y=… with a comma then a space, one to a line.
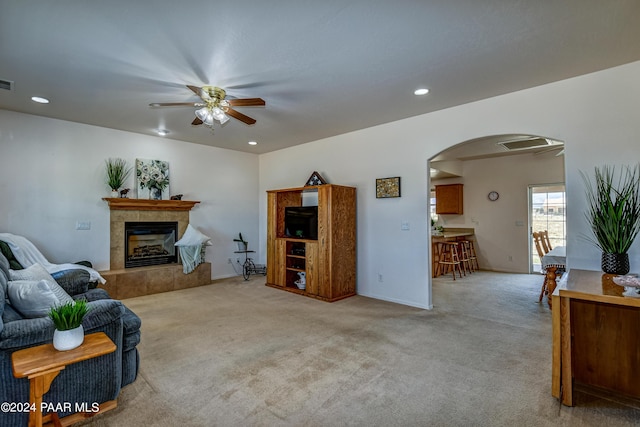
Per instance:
x=132, y=282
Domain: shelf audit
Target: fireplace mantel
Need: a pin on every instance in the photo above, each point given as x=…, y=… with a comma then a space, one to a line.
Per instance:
x=125, y=282
x=149, y=205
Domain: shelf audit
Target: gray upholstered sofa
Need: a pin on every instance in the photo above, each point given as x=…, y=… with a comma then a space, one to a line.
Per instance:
x=92, y=381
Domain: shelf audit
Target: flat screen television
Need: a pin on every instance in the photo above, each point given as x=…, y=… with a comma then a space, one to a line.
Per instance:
x=301, y=222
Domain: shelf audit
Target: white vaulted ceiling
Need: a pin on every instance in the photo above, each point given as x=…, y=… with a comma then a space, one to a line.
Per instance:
x=323, y=67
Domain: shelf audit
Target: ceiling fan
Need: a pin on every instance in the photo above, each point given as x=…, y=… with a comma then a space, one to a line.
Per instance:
x=215, y=106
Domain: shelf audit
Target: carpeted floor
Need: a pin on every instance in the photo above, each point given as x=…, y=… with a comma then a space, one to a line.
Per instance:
x=238, y=353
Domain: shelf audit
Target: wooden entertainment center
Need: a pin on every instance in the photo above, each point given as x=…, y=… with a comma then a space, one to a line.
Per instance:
x=328, y=262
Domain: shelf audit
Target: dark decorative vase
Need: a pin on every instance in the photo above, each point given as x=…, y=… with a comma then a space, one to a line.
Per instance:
x=155, y=193
x=615, y=263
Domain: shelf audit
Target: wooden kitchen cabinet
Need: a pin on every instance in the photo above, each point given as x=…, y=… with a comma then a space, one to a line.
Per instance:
x=449, y=199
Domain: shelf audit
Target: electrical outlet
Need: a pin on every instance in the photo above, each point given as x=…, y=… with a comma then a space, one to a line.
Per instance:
x=83, y=225
x=229, y=261
x=379, y=277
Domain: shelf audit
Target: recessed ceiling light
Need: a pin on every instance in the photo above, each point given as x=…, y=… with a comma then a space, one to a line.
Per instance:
x=253, y=143
x=422, y=91
x=162, y=132
x=39, y=100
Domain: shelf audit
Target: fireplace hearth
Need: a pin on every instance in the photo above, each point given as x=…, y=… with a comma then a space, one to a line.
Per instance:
x=150, y=243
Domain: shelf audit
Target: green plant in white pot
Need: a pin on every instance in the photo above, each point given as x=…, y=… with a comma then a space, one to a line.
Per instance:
x=614, y=214
x=67, y=319
x=117, y=174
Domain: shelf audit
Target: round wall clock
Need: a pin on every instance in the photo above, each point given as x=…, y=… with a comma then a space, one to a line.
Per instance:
x=493, y=196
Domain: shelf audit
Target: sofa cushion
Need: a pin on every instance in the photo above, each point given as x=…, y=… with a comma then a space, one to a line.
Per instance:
x=4, y=279
x=74, y=282
x=32, y=298
x=8, y=253
x=131, y=329
x=37, y=272
x=192, y=237
x=94, y=295
x=4, y=269
x=10, y=314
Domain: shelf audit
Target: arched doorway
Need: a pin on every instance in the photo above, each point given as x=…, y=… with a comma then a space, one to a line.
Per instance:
x=505, y=164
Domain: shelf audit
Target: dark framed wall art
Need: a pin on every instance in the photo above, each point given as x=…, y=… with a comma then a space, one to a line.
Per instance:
x=387, y=187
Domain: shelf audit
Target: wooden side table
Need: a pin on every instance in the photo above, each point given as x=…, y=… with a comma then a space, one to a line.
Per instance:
x=595, y=341
x=41, y=364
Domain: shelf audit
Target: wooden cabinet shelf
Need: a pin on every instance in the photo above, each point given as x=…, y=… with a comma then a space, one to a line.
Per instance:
x=329, y=263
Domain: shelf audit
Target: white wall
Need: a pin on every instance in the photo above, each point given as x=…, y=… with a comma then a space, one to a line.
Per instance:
x=596, y=115
x=52, y=175
x=501, y=227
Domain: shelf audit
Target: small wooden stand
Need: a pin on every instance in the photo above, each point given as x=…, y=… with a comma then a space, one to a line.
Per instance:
x=41, y=364
x=595, y=339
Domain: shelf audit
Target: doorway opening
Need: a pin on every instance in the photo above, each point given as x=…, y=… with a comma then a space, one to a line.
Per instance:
x=506, y=164
x=547, y=211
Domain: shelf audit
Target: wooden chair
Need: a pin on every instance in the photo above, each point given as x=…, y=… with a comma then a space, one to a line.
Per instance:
x=541, y=240
x=541, y=246
x=472, y=255
x=449, y=259
x=546, y=244
x=465, y=258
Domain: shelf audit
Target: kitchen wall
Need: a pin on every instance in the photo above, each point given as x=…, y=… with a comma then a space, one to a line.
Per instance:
x=52, y=175
x=501, y=227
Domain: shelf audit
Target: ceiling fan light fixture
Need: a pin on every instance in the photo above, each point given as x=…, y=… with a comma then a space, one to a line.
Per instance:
x=202, y=113
x=217, y=113
x=215, y=106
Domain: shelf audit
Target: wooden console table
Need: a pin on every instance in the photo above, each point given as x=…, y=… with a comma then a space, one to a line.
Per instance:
x=596, y=344
x=41, y=364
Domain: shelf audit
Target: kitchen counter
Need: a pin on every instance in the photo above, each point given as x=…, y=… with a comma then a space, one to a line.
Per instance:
x=452, y=233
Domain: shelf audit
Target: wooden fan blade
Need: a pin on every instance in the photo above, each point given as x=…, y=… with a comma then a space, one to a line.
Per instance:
x=173, y=104
x=246, y=102
x=196, y=122
x=238, y=115
x=195, y=89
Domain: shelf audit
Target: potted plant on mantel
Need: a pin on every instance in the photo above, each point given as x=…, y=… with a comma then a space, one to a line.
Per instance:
x=117, y=174
x=67, y=319
x=614, y=214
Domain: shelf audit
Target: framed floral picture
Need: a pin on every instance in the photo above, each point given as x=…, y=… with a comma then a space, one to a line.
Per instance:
x=152, y=179
x=387, y=187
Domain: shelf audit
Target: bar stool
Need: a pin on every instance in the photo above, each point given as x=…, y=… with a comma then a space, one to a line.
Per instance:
x=449, y=258
x=465, y=260
x=473, y=257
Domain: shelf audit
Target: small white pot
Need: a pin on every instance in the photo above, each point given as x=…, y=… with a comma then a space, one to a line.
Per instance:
x=115, y=194
x=67, y=340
